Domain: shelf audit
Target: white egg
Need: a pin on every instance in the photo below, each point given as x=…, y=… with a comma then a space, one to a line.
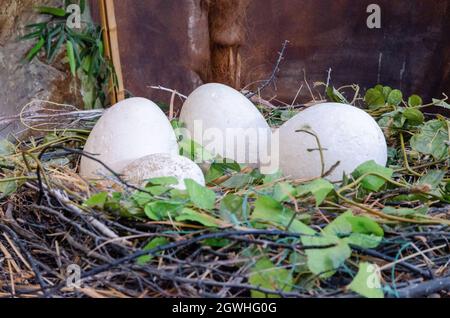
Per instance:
x=347, y=135
x=226, y=124
x=163, y=165
x=131, y=129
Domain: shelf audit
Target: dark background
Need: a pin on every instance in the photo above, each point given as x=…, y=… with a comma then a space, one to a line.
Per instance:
x=181, y=44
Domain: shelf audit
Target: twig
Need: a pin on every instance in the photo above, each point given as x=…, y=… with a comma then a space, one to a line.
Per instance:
x=274, y=72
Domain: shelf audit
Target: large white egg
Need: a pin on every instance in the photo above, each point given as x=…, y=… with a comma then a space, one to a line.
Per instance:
x=163, y=165
x=226, y=124
x=347, y=135
x=129, y=130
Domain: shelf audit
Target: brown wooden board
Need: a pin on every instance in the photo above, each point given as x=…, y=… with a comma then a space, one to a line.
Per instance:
x=181, y=44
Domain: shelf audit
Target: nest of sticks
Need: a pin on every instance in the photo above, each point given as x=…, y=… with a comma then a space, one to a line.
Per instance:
x=52, y=245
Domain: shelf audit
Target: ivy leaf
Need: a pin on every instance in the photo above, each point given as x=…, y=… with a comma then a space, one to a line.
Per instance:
x=283, y=192
x=6, y=148
x=374, y=98
x=97, y=201
x=319, y=188
x=432, y=139
x=156, y=242
x=201, y=197
x=414, y=116
x=269, y=210
x=160, y=210
x=367, y=282
x=162, y=181
x=372, y=183
x=363, y=240
x=404, y=212
x=266, y=275
x=415, y=101
x=232, y=207
x=357, y=230
x=194, y=216
x=364, y=225
x=395, y=97
x=238, y=181
x=7, y=188
x=326, y=261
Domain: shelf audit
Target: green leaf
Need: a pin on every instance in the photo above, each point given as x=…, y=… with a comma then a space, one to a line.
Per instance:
x=414, y=116
x=363, y=240
x=371, y=182
x=161, y=210
x=335, y=96
x=238, y=181
x=232, y=207
x=97, y=201
x=374, y=98
x=283, y=191
x=347, y=223
x=57, y=12
x=35, y=50
x=71, y=57
x=194, y=216
x=269, y=210
x=403, y=212
x=326, y=261
x=432, y=139
x=7, y=188
x=415, y=101
x=200, y=196
x=395, y=97
x=162, y=181
x=319, y=188
x=367, y=282
x=6, y=148
x=156, y=242
x=268, y=276
x=433, y=179
x=141, y=198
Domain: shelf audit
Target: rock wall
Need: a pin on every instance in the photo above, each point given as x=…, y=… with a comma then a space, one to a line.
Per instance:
x=20, y=82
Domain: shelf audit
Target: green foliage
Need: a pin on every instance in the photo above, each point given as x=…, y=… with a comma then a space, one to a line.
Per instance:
x=269, y=210
x=432, y=139
x=367, y=281
x=202, y=197
x=319, y=188
x=6, y=148
x=156, y=242
x=372, y=172
x=332, y=247
x=97, y=200
x=202, y=218
x=84, y=51
x=265, y=274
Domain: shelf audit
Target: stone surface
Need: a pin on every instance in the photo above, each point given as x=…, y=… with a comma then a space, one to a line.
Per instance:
x=226, y=123
x=163, y=165
x=129, y=130
x=347, y=135
x=21, y=82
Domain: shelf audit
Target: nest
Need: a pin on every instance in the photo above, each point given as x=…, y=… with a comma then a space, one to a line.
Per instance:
x=53, y=245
